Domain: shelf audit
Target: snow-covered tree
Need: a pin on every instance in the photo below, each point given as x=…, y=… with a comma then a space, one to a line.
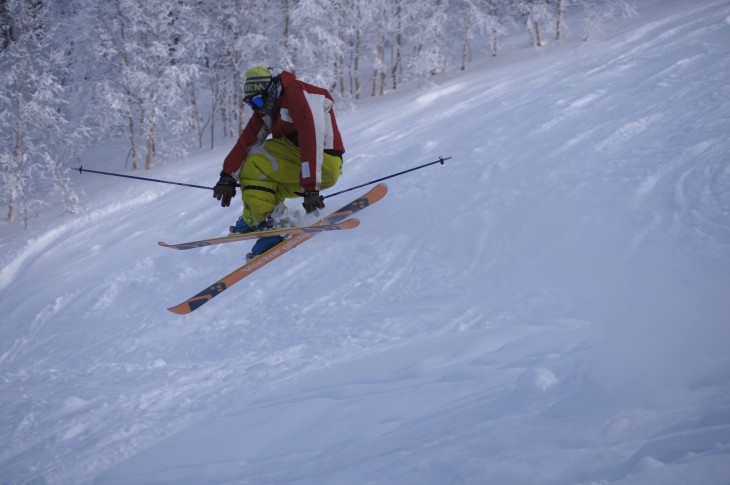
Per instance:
x=321, y=45
x=5, y=25
x=427, y=29
x=202, y=46
x=598, y=14
x=143, y=49
x=288, y=54
x=560, y=7
x=163, y=73
x=396, y=49
x=356, y=32
x=32, y=124
x=535, y=14
x=382, y=13
x=379, y=27
x=480, y=17
x=247, y=33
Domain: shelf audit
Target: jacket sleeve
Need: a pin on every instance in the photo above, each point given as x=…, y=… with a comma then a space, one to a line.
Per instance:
x=308, y=109
x=254, y=131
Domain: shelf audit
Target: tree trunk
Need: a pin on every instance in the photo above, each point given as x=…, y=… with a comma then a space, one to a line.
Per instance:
x=225, y=113
x=195, y=114
x=133, y=143
x=150, y=152
x=342, y=76
x=495, y=32
x=397, y=52
x=465, y=46
x=560, y=19
x=464, y=52
x=380, y=71
x=356, y=64
x=212, y=127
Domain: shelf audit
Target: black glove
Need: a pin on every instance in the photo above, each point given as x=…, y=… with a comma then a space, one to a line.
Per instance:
x=312, y=201
x=225, y=189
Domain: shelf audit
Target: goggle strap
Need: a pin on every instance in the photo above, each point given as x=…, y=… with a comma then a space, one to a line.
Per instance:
x=272, y=94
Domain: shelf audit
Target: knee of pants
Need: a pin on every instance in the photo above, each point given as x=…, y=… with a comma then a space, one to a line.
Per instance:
x=331, y=170
x=258, y=167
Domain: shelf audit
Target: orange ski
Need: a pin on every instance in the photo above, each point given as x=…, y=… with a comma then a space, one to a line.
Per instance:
x=287, y=231
x=337, y=217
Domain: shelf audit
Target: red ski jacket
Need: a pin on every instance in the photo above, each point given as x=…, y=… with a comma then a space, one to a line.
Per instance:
x=304, y=115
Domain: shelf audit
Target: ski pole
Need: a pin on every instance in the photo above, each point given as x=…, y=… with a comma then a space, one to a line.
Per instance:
x=82, y=169
x=441, y=160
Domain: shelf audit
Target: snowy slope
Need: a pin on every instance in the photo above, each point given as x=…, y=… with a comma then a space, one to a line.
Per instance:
x=550, y=307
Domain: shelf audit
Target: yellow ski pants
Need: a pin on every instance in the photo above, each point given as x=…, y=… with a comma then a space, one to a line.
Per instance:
x=270, y=174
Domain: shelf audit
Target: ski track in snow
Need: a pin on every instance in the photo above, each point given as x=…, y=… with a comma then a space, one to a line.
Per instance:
x=558, y=316
x=45, y=241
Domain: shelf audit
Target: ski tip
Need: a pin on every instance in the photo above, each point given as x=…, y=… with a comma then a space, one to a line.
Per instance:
x=188, y=306
x=166, y=245
x=183, y=309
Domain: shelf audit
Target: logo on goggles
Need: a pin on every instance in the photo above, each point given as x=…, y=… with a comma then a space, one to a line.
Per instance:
x=255, y=101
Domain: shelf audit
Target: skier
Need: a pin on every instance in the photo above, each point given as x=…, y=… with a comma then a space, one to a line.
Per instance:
x=302, y=157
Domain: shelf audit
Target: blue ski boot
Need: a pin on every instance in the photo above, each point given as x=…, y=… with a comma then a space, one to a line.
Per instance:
x=262, y=244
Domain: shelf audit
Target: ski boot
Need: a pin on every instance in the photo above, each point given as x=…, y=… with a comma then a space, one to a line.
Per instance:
x=262, y=244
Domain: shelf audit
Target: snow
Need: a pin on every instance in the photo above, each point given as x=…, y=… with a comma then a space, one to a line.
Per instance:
x=549, y=307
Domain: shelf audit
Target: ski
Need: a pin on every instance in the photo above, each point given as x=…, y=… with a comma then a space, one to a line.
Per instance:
x=344, y=213
x=287, y=231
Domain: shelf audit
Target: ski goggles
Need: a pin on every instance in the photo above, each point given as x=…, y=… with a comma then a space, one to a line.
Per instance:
x=255, y=101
